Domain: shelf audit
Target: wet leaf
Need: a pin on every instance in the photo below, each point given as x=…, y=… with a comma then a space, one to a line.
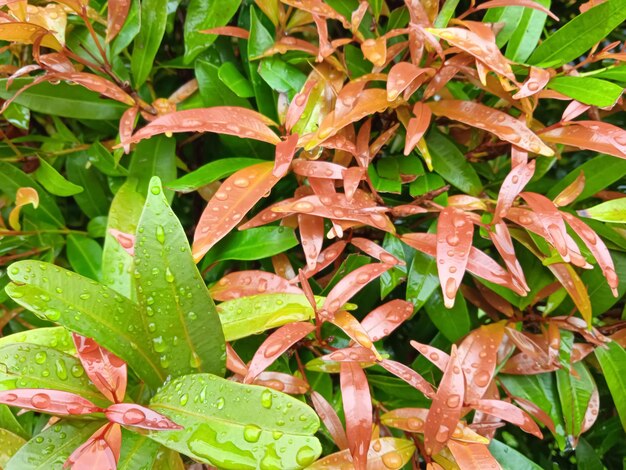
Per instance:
x=383, y=320
x=385, y=452
x=512, y=186
x=117, y=13
x=246, y=283
x=571, y=192
x=131, y=414
x=590, y=135
x=355, y=394
x=469, y=455
x=101, y=450
x=574, y=287
x=54, y=402
x=54, y=182
x=329, y=417
x=612, y=359
x=510, y=413
x=609, y=211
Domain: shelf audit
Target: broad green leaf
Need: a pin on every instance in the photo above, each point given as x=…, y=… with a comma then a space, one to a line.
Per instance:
x=230, y=76
x=95, y=198
x=86, y=307
x=55, y=337
x=53, y=181
x=574, y=394
x=422, y=279
x=586, y=456
x=11, y=179
x=579, y=35
x=236, y=426
x=84, y=255
x=612, y=359
x=17, y=115
x=260, y=38
x=451, y=164
x=10, y=443
x=509, y=17
x=255, y=314
x=527, y=34
x=616, y=73
x=252, y=244
x=131, y=27
x=62, y=100
x=281, y=76
x=609, y=211
x=182, y=323
x=9, y=422
x=588, y=90
x=168, y=459
x=34, y=366
x=139, y=452
x=453, y=323
x=51, y=448
x=147, y=43
x=509, y=458
x=600, y=172
x=155, y=156
x=212, y=90
x=210, y=172
x=102, y=159
x=205, y=15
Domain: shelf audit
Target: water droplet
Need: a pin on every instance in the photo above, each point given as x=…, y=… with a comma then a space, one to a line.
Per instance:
x=266, y=399
x=392, y=460
x=251, y=433
x=40, y=400
x=160, y=234
x=363, y=278
x=169, y=277
x=60, y=369
x=184, y=398
x=442, y=434
x=84, y=296
x=273, y=349
x=377, y=445
x=451, y=288
x=515, y=179
x=277, y=435
x=77, y=371
x=305, y=456
x=303, y=206
x=415, y=424
x=40, y=357
x=241, y=182
x=52, y=314
x=481, y=379
x=194, y=360
x=155, y=190
x=453, y=401
x=133, y=416
x=219, y=403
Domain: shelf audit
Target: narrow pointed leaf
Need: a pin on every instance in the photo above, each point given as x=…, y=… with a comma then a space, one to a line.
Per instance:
x=383, y=320
x=246, y=283
x=385, y=452
x=101, y=450
x=53, y=402
x=510, y=413
x=469, y=455
x=409, y=376
x=512, y=186
x=131, y=414
x=574, y=287
x=312, y=237
x=357, y=406
x=117, y=13
x=417, y=126
x=329, y=417
x=590, y=135
x=284, y=154
x=571, y=192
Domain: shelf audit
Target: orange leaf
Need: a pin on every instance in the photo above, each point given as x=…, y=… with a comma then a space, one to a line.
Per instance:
x=571, y=192
x=357, y=354
x=245, y=283
x=375, y=50
x=401, y=76
x=232, y=31
x=326, y=257
x=454, y=241
x=509, y=413
x=126, y=127
x=375, y=251
x=236, y=196
x=317, y=7
x=575, y=287
x=491, y=120
x=513, y=184
x=590, y=135
x=118, y=11
x=357, y=406
x=318, y=169
x=285, y=151
x=95, y=83
x=100, y=451
x=445, y=410
x=434, y=355
x=501, y=238
x=537, y=79
x=329, y=417
x=28, y=33
x=234, y=362
x=409, y=376
x=240, y=122
x=417, y=126
x=282, y=382
x=385, y=452
x=354, y=330
x=312, y=237
x=381, y=321
x=470, y=456
x=23, y=196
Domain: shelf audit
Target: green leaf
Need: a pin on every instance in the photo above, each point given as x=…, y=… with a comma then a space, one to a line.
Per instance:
x=203, y=15
x=102, y=159
x=11, y=179
x=9, y=422
x=34, y=366
x=252, y=244
x=574, y=393
x=86, y=307
x=451, y=164
x=131, y=27
x=587, y=90
x=579, y=35
x=154, y=157
x=609, y=211
x=255, y=314
x=11, y=443
x=395, y=276
x=281, y=76
x=148, y=41
x=55, y=337
x=446, y=13
x=612, y=359
x=181, y=319
x=422, y=279
x=509, y=17
x=586, y=456
x=600, y=172
x=51, y=448
x=139, y=452
x=263, y=427
x=527, y=34
x=230, y=76
x=260, y=38
x=509, y=458
x=95, y=198
x=209, y=173
x=17, y=115
x=212, y=90
x=84, y=255
x=62, y=100
x=453, y=323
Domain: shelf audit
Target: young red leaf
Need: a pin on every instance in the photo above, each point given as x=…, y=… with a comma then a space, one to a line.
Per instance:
x=357, y=407
x=131, y=414
x=495, y=301
x=319, y=8
x=236, y=196
x=571, y=192
x=298, y=104
x=536, y=412
x=597, y=247
x=245, y=283
x=573, y=110
x=381, y=321
x=407, y=419
x=497, y=122
x=375, y=251
x=357, y=354
x=353, y=329
x=591, y=414
x=417, y=126
x=126, y=240
x=352, y=177
x=384, y=453
x=329, y=417
x=95, y=83
x=445, y=410
x=470, y=456
x=509, y=413
x=118, y=11
x=54, y=402
x=512, y=186
x=284, y=154
x=501, y=239
x=409, y=376
x=575, y=287
x=537, y=79
x=520, y=3
x=101, y=451
x=312, y=237
x=234, y=362
x=590, y=135
x=326, y=257
x=240, y=122
x=400, y=77
x=375, y=50
x=126, y=127
x=232, y=31
x=105, y=369
x=276, y=344
x=434, y=355
x=454, y=240
x=318, y=169
x=282, y=382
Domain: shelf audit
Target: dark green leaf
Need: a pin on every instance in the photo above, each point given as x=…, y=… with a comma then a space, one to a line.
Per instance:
x=422, y=279
x=84, y=255
x=574, y=393
x=612, y=359
x=95, y=198
x=205, y=15
x=148, y=41
x=260, y=38
x=509, y=458
x=453, y=323
x=213, y=91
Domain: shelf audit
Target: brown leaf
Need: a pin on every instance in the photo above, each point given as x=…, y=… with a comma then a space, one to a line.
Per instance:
x=513, y=184
x=236, y=196
x=126, y=127
x=95, y=83
x=245, y=283
x=357, y=406
x=282, y=382
x=497, y=122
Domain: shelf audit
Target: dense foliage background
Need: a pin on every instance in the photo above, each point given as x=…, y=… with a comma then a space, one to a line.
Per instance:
x=409, y=216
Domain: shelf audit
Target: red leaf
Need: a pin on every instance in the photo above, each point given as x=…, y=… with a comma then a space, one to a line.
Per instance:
x=357, y=354
x=131, y=414
x=354, y=330
x=509, y=413
x=571, y=192
x=101, y=451
x=326, y=257
x=537, y=79
x=375, y=251
x=318, y=169
x=520, y=3
x=107, y=371
x=232, y=31
x=231, y=120
x=95, y=83
x=540, y=415
x=126, y=240
x=407, y=419
x=54, y=402
x=126, y=127
x=118, y=11
x=417, y=126
x=501, y=239
x=513, y=184
x=352, y=283
x=245, y=283
x=597, y=247
x=276, y=344
x=330, y=419
x=298, y=104
x=282, y=382
x=236, y=196
x=234, y=362
x=312, y=237
x=591, y=414
x=434, y=355
x=357, y=407
x=454, y=241
x=352, y=177
x=470, y=456
x=445, y=410
x=497, y=122
x=400, y=77
x=284, y=154
x=409, y=376
x=381, y=321
x=590, y=135
x=573, y=110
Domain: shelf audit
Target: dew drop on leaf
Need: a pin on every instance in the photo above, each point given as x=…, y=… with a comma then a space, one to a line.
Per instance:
x=251, y=433
x=133, y=416
x=266, y=399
